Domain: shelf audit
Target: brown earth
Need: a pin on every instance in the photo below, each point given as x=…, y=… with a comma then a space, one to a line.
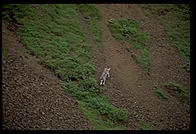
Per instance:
x=129, y=86
x=32, y=98
x=30, y=89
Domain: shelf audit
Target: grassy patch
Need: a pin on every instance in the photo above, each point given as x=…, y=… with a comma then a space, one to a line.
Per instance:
x=175, y=18
x=92, y=100
x=144, y=126
x=3, y=53
x=159, y=93
x=129, y=30
x=98, y=121
x=57, y=39
x=179, y=92
x=92, y=16
x=5, y=13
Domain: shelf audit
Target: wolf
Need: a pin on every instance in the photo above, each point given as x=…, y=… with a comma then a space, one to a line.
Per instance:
x=104, y=75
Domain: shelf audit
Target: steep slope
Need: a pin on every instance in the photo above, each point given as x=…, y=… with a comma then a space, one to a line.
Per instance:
x=32, y=98
x=129, y=86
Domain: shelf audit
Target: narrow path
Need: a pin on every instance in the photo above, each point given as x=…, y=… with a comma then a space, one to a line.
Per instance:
x=100, y=61
x=32, y=98
x=98, y=57
x=129, y=87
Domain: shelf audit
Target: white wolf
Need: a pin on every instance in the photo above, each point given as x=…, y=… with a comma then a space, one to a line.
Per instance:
x=104, y=75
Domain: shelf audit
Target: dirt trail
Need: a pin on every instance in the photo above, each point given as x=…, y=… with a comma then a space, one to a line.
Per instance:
x=129, y=87
x=32, y=98
x=98, y=57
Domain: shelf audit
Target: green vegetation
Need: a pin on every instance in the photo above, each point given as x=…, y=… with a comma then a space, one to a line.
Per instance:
x=144, y=126
x=98, y=121
x=3, y=53
x=179, y=92
x=159, y=93
x=92, y=17
x=92, y=101
x=129, y=30
x=5, y=13
x=175, y=18
x=56, y=38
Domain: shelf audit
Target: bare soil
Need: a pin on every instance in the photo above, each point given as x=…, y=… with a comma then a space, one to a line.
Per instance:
x=32, y=98
x=129, y=86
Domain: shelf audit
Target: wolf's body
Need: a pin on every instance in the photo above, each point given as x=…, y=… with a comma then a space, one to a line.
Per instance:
x=104, y=75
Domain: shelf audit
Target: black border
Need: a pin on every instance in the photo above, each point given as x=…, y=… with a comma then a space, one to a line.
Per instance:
x=92, y=1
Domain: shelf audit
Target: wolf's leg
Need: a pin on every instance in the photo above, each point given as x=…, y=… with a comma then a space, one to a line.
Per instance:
x=101, y=82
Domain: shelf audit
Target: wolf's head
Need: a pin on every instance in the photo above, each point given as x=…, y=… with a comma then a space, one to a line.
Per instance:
x=108, y=69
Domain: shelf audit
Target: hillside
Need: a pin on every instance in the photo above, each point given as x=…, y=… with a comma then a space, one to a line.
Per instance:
x=53, y=56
